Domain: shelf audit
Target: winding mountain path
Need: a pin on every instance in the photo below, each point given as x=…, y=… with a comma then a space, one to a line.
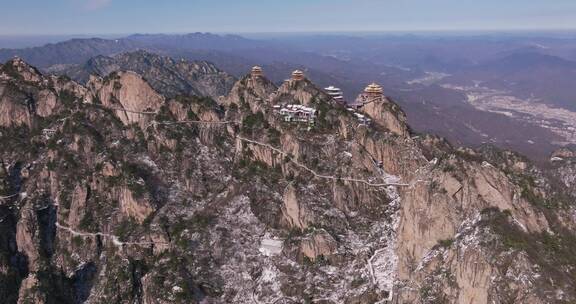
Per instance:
x=316, y=174
x=300, y=165
x=9, y=196
x=115, y=239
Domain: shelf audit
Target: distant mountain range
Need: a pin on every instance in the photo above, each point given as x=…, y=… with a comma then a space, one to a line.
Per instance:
x=539, y=70
x=73, y=51
x=166, y=75
x=77, y=51
x=204, y=41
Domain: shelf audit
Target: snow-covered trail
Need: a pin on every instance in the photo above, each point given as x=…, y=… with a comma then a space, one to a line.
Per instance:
x=154, y=123
x=166, y=122
x=222, y=122
x=124, y=110
x=318, y=175
x=300, y=165
x=115, y=239
x=9, y=196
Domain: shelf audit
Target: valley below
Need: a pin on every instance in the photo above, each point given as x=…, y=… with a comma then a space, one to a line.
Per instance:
x=561, y=122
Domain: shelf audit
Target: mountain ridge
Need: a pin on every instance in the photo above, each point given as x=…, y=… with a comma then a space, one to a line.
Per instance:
x=166, y=75
x=115, y=193
x=431, y=107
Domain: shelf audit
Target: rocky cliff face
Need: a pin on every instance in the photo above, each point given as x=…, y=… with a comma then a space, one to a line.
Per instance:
x=563, y=162
x=300, y=91
x=25, y=93
x=387, y=114
x=135, y=197
x=167, y=76
x=128, y=95
x=251, y=92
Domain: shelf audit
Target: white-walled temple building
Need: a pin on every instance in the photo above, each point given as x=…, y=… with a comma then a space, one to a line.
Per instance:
x=256, y=72
x=296, y=113
x=335, y=93
x=297, y=75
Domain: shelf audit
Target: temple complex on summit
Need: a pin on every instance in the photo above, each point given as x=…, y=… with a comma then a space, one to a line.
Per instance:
x=297, y=75
x=256, y=72
x=298, y=113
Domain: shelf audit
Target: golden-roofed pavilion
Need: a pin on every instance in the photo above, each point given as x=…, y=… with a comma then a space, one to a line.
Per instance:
x=374, y=89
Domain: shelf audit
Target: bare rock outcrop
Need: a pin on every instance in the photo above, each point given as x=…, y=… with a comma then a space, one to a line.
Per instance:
x=136, y=208
x=299, y=91
x=387, y=114
x=26, y=94
x=27, y=238
x=129, y=96
x=251, y=91
x=27, y=292
x=441, y=208
x=318, y=244
x=47, y=102
x=78, y=206
x=23, y=71
x=13, y=111
x=295, y=214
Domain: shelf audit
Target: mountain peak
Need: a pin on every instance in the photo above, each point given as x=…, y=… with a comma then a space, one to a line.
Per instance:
x=384, y=111
x=130, y=93
x=253, y=90
x=257, y=92
x=300, y=89
x=18, y=68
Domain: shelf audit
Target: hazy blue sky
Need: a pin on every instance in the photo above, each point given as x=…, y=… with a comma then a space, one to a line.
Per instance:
x=172, y=16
